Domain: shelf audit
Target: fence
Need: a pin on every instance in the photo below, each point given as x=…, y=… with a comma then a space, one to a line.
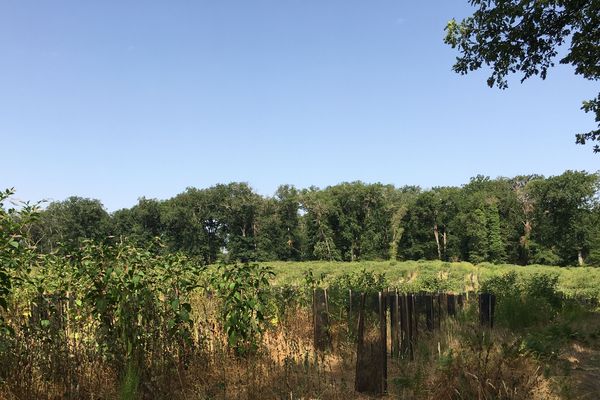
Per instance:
x=404, y=315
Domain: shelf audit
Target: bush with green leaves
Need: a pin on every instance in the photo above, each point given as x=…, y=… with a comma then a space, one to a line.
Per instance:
x=139, y=300
x=341, y=287
x=285, y=299
x=524, y=301
x=106, y=302
x=428, y=281
x=362, y=281
x=243, y=291
x=309, y=284
x=15, y=250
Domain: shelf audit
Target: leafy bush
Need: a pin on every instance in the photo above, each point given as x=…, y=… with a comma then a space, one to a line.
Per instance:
x=544, y=286
x=309, y=284
x=13, y=243
x=362, y=281
x=243, y=290
x=524, y=302
x=431, y=282
x=284, y=299
x=140, y=301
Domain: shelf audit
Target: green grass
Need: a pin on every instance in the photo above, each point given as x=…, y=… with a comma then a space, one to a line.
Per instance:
x=573, y=281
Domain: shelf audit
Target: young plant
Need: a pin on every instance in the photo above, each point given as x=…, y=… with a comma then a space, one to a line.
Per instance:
x=244, y=293
x=13, y=245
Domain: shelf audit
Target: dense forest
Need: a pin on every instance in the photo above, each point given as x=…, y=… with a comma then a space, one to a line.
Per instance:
x=523, y=220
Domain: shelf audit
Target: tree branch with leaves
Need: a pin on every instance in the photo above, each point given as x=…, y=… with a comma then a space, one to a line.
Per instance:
x=524, y=37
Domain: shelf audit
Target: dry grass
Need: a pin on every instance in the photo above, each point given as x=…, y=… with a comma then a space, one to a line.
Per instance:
x=460, y=361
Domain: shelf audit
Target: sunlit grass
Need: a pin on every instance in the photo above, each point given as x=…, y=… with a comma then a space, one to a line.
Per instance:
x=573, y=281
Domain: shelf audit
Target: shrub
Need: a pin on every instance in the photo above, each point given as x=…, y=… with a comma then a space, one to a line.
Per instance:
x=243, y=290
x=522, y=303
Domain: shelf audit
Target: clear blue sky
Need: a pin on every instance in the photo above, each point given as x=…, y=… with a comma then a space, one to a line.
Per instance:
x=120, y=99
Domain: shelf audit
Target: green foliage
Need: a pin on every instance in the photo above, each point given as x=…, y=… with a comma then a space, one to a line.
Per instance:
x=243, y=290
x=310, y=283
x=539, y=254
x=544, y=286
x=361, y=281
x=513, y=36
x=565, y=217
x=130, y=383
x=429, y=281
x=140, y=224
x=521, y=220
x=353, y=221
x=285, y=299
x=547, y=341
x=476, y=236
x=428, y=225
x=524, y=302
x=134, y=294
x=14, y=246
x=64, y=225
x=279, y=234
x=503, y=286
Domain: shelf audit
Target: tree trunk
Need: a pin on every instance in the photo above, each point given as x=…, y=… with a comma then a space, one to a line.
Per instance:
x=527, y=229
x=322, y=233
x=437, y=241
x=445, y=241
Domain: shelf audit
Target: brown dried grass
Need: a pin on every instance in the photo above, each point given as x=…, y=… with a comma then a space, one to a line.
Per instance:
x=461, y=361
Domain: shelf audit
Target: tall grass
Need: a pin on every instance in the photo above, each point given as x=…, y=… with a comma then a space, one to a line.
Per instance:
x=583, y=282
x=60, y=347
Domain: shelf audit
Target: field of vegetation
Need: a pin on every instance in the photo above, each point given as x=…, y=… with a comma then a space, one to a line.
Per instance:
x=447, y=276
x=92, y=307
x=112, y=320
x=115, y=321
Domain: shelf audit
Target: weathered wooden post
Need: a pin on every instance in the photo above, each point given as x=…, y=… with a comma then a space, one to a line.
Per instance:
x=428, y=311
x=371, y=350
x=413, y=330
x=403, y=319
x=487, y=305
x=394, y=323
x=451, y=305
x=460, y=301
x=322, y=336
x=349, y=305
x=441, y=299
x=383, y=300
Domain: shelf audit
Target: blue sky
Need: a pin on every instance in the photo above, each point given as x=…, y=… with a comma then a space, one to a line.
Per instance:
x=121, y=99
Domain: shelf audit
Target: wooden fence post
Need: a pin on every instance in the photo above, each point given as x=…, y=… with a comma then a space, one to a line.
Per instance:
x=487, y=305
x=413, y=319
x=383, y=299
x=321, y=334
x=451, y=305
x=440, y=300
x=394, y=323
x=371, y=350
x=428, y=311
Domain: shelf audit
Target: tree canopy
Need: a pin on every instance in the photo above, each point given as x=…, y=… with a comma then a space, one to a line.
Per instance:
x=522, y=220
x=526, y=37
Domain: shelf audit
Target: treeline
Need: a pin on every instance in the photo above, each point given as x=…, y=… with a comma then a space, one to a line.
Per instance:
x=520, y=220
